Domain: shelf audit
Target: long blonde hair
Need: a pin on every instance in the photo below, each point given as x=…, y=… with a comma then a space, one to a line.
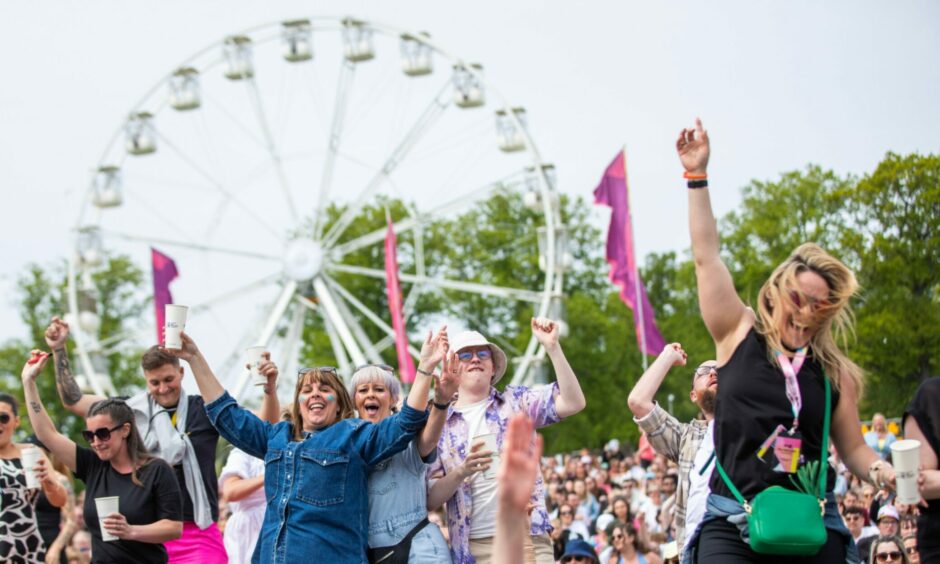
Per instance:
x=322, y=375
x=834, y=322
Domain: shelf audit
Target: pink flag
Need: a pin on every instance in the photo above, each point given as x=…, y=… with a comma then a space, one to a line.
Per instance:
x=406, y=366
x=613, y=192
x=164, y=272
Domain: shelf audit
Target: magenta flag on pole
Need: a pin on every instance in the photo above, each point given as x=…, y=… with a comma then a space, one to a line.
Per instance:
x=164, y=272
x=406, y=365
x=614, y=192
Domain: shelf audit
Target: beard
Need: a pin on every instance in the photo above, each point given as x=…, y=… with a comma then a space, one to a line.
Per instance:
x=706, y=401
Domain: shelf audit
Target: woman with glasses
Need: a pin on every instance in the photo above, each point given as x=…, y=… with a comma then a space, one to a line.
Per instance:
x=20, y=535
x=888, y=549
x=117, y=464
x=316, y=464
x=775, y=366
x=398, y=501
x=626, y=547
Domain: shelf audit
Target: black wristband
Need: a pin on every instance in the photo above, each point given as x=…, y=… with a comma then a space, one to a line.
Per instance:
x=425, y=372
x=441, y=406
x=693, y=184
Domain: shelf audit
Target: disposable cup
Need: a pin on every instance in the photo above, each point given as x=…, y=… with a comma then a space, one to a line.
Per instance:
x=489, y=443
x=175, y=323
x=29, y=457
x=905, y=457
x=254, y=358
x=105, y=507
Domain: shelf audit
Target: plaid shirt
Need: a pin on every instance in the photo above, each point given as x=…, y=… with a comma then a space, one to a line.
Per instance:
x=539, y=404
x=678, y=442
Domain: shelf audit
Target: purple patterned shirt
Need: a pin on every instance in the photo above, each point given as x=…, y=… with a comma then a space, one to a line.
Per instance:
x=539, y=404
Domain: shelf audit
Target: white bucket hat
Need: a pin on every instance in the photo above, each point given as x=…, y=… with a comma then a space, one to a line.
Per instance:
x=474, y=339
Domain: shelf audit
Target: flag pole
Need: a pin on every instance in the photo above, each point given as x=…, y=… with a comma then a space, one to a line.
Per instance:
x=636, y=267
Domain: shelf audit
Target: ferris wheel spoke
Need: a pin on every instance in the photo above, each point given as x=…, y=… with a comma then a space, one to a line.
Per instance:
x=424, y=122
x=290, y=349
x=343, y=84
x=368, y=314
x=270, y=326
x=342, y=359
x=338, y=323
x=234, y=293
x=188, y=245
x=218, y=185
x=365, y=343
x=228, y=114
x=258, y=107
x=445, y=284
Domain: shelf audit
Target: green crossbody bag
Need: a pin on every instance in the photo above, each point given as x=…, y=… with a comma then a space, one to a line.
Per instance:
x=784, y=521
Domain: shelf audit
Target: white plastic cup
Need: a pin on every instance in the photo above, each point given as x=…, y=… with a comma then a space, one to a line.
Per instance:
x=29, y=457
x=174, y=324
x=254, y=358
x=489, y=443
x=905, y=457
x=105, y=507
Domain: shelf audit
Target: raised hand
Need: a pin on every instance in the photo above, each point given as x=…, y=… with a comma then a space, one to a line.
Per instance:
x=520, y=466
x=433, y=349
x=268, y=369
x=445, y=385
x=187, y=352
x=57, y=333
x=35, y=364
x=546, y=331
x=674, y=354
x=694, y=149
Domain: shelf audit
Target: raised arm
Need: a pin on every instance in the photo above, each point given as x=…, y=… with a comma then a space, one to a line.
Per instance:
x=570, y=399
x=433, y=351
x=722, y=309
x=270, y=404
x=45, y=430
x=641, y=396
x=69, y=391
x=515, y=480
x=209, y=386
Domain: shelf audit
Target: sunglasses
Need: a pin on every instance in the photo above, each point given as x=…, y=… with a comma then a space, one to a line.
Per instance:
x=618, y=537
x=103, y=434
x=5, y=418
x=853, y=517
x=814, y=303
x=705, y=370
x=306, y=369
x=384, y=367
x=887, y=556
x=567, y=513
x=911, y=550
x=482, y=354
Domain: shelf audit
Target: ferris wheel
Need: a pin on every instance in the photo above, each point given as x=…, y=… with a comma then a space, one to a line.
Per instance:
x=250, y=161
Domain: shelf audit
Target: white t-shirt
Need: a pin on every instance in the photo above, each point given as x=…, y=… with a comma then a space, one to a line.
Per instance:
x=483, y=513
x=698, y=482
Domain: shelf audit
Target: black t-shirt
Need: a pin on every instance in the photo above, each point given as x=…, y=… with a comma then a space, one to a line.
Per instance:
x=204, y=438
x=752, y=401
x=925, y=409
x=48, y=518
x=159, y=498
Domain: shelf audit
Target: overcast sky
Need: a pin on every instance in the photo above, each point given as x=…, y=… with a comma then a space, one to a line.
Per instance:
x=779, y=85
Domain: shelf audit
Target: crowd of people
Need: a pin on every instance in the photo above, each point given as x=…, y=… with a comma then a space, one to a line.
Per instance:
x=351, y=471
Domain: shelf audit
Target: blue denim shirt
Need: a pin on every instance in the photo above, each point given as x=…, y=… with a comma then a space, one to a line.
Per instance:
x=316, y=488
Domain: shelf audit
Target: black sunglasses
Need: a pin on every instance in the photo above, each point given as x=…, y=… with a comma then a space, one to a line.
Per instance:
x=306, y=369
x=384, y=367
x=5, y=418
x=103, y=433
x=886, y=556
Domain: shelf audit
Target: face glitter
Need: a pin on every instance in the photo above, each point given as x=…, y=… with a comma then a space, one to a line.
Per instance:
x=302, y=398
x=330, y=397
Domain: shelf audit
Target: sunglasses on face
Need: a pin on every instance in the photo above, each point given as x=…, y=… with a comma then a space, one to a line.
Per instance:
x=617, y=537
x=103, y=434
x=853, y=517
x=814, y=303
x=306, y=369
x=567, y=513
x=887, y=556
x=704, y=370
x=5, y=418
x=911, y=550
x=482, y=354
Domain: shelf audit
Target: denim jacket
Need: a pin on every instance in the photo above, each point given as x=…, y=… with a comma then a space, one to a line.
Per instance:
x=316, y=488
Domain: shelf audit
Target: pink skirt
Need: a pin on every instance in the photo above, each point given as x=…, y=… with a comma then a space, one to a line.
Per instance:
x=197, y=546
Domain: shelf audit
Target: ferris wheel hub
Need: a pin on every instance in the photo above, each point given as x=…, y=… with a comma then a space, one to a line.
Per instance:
x=303, y=259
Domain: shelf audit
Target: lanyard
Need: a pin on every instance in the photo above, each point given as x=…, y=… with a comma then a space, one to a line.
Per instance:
x=790, y=370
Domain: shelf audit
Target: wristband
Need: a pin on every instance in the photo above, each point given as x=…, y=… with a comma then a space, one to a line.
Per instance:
x=425, y=372
x=441, y=406
x=695, y=184
x=691, y=176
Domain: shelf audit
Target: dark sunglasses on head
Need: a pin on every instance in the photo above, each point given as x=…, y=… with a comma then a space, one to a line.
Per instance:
x=482, y=354
x=887, y=556
x=103, y=433
x=384, y=367
x=5, y=418
x=306, y=369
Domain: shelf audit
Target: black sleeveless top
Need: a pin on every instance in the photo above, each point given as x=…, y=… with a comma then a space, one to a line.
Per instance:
x=752, y=401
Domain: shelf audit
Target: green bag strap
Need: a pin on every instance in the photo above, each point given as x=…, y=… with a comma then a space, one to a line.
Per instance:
x=824, y=455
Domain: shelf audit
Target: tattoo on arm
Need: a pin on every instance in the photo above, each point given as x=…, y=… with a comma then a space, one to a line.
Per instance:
x=36, y=407
x=65, y=382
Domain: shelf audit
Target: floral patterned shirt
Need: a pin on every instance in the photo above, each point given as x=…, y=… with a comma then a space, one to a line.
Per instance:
x=539, y=404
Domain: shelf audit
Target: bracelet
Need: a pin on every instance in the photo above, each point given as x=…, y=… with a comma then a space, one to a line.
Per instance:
x=691, y=176
x=425, y=372
x=441, y=406
x=694, y=184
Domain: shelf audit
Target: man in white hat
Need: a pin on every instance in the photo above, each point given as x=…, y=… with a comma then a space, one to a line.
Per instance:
x=475, y=422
